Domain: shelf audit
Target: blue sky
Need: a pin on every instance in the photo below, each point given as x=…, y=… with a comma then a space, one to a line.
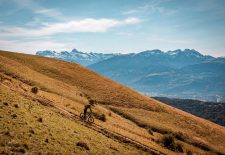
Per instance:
x=113, y=25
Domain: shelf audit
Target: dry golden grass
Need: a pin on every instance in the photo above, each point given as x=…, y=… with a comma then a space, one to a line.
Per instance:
x=69, y=85
x=28, y=127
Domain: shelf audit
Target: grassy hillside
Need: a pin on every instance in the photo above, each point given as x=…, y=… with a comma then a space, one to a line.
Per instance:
x=150, y=122
x=28, y=127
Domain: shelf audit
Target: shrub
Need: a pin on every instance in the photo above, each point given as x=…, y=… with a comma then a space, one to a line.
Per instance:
x=8, y=133
x=168, y=141
x=83, y=145
x=110, y=114
x=67, y=105
x=180, y=136
x=16, y=105
x=5, y=103
x=46, y=140
x=14, y=116
x=40, y=119
x=26, y=146
x=34, y=90
x=31, y=131
x=113, y=148
x=150, y=131
x=19, y=150
x=189, y=152
x=202, y=146
x=179, y=148
x=100, y=117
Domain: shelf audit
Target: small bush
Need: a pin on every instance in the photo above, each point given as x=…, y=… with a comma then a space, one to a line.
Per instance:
x=113, y=148
x=202, y=146
x=40, y=119
x=32, y=131
x=26, y=146
x=168, y=141
x=34, y=90
x=67, y=105
x=18, y=150
x=16, y=105
x=189, y=152
x=5, y=103
x=179, y=148
x=46, y=140
x=83, y=145
x=14, y=116
x=100, y=117
x=110, y=114
x=150, y=131
x=180, y=136
x=7, y=133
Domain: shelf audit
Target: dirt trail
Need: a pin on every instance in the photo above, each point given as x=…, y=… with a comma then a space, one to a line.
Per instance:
x=98, y=128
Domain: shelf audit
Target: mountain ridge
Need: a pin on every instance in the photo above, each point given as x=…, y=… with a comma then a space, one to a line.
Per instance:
x=179, y=74
x=76, y=56
x=142, y=70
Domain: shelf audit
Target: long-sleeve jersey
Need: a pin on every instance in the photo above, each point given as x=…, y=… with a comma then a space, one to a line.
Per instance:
x=88, y=106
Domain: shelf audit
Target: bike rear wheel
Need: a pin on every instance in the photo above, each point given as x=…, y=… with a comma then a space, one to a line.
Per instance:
x=90, y=119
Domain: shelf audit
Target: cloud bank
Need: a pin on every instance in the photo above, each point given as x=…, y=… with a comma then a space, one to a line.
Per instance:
x=84, y=25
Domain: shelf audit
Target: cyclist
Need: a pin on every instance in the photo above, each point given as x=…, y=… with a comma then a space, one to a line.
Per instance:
x=88, y=106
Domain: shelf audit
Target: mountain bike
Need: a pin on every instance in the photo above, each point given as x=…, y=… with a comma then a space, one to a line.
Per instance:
x=89, y=117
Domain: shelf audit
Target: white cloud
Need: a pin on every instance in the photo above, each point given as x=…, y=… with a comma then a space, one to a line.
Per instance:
x=37, y=8
x=45, y=11
x=133, y=11
x=54, y=13
x=33, y=46
x=84, y=25
x=153, y=6
x=132, y=20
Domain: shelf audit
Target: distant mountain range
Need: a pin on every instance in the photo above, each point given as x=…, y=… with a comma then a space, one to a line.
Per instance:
x=79, y=57
x=178, y=74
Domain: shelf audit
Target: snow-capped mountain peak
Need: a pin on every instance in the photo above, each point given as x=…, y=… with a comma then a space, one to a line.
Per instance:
x=186, y=52
x=47, y=53
x=79, y=57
